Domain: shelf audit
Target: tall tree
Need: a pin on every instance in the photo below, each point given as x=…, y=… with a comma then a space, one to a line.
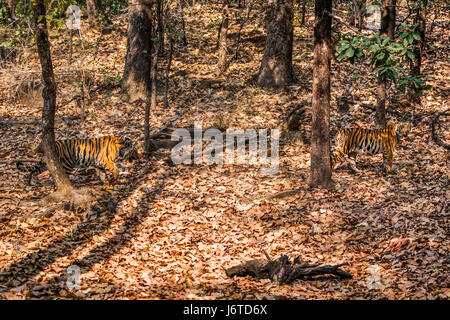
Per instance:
x=12, y=8
x=160, y=15
x=320, y=137
x=92, y=7
x=51, y=158
x=136, y=75
x=416, y=63
x=223, y=37
x=276, y=66
x=387, y=29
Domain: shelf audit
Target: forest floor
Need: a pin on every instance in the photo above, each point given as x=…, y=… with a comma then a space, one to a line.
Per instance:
x=169, y=231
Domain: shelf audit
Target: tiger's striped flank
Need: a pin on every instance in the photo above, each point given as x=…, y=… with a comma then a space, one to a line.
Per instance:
x=353, y=141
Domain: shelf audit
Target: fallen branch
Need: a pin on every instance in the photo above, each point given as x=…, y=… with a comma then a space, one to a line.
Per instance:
x=404, y=116
x=340, y=20
x=36, y=122
x=434, y=135
x=102, y=86
x=19, y=160
x=283, y=271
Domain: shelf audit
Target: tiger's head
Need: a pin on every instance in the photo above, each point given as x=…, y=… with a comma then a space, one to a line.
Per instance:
x=127, y=149
x=402, y=129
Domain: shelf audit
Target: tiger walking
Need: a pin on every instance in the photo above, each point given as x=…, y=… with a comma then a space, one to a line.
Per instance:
x=354, y=141
x=99, y=152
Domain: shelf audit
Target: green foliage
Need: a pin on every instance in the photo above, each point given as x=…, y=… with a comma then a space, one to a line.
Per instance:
x=389, y=59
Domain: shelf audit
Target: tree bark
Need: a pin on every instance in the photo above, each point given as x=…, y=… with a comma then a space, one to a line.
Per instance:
x=160, y=14
x=320, y=137
x=303, y=12
x=388, y=16
x=387, y=29
x=152, y=105
x=12, y=8
x=276, y=67
x=51, y=157
x=183, y=25
x=136, y=75
x=416, y=63
x=223, y=37
x=92, y=7
x=169, y=62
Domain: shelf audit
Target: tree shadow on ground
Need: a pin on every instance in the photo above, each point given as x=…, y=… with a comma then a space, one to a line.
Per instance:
x=105, y=207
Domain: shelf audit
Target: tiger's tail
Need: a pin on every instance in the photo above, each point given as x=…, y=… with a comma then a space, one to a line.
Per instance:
x=32, y=169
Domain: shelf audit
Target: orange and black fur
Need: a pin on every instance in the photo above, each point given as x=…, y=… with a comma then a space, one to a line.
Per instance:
x=354, y=141
x=97, y=152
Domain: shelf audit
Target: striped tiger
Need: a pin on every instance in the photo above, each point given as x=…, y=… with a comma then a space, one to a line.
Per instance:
x=354, y=141
x=99, y=152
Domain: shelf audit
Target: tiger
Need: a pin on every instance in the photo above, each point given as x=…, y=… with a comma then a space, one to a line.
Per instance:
x=354, y=141
x=99, y=152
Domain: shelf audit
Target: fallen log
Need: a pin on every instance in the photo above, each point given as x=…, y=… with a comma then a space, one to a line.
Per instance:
x=13, y=122
x=283, y=271
x=403, y=116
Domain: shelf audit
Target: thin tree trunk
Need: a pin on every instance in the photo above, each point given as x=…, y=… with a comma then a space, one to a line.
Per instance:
x=320, y=137
x=241, y=26
x=136, y=75
x=159, y=12
x=416, y=63
x=169, y=62
x=183, y=26
x=92, y=7
x=12, y=8
x=223, y=50
x=380, y=113
x=387, y=29
x=152, y=103
x=276, y=66
x=388, y=16
x=51, y=158
x=70, y=46
x=303, y=12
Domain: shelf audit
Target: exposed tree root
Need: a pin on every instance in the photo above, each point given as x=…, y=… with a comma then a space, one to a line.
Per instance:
x=434, y=135
x=79, y=198
x=283, y=271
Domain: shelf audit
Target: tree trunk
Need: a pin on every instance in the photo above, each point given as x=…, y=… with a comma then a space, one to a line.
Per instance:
x=320, y=137
x=169, y=62
x=12, y=8
x=276, y=67
x=416, y=63
x=388, y=16
x=183, y=26
x=223, y=37
x=92, y=7
x=152, y=104
x=51, y=157
x=303, y=12
x=159, y=12
x=387, y=29
x=136, y=75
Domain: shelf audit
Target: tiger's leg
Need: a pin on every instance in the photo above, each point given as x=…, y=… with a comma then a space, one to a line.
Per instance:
x=387, y=161
x=335, y=158
x=110, y=165
x=352, y=159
